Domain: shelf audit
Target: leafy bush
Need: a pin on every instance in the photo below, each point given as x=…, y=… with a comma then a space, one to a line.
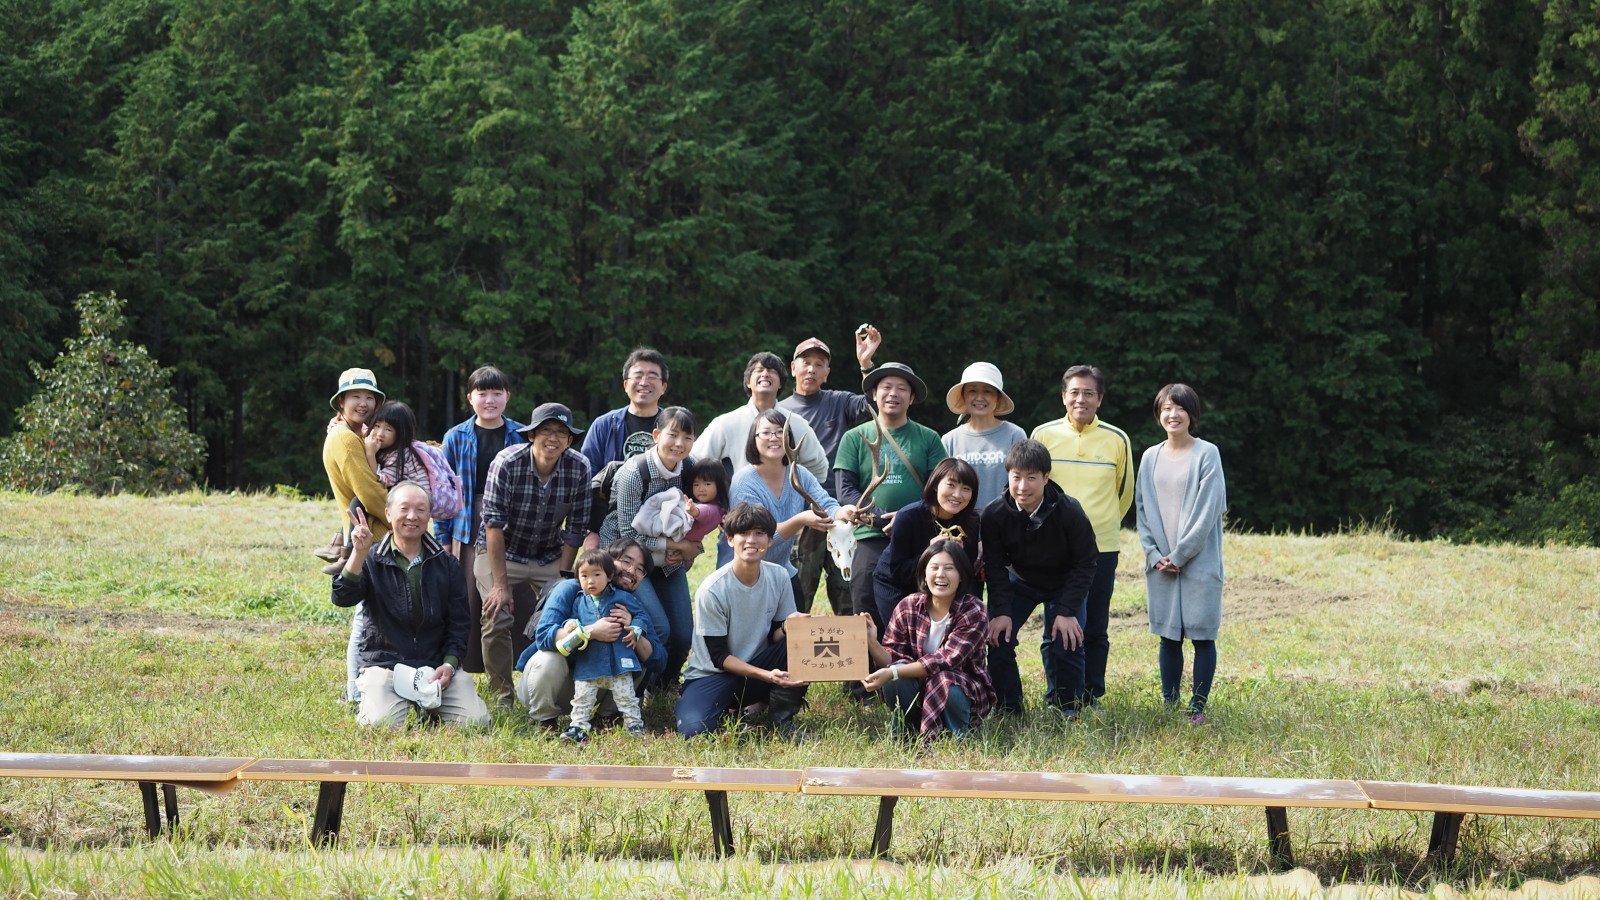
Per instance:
x=105, y=420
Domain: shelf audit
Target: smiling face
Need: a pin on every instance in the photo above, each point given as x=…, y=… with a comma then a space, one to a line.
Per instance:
x=769, y=441
x=893, y=396
x=489, y=405
x=750, y=546
x=357, y=406
x=954, y=496
x=592, y=579
x=644, y=385
x=630, y=565
x=810, y=372
x=1082, y=399
x=942, y=577
x=549, y=441
x=672, y=445
x=407, y=510
x=763, y=381
x=1174, y=420
x=982, y=400
x=1026, y=486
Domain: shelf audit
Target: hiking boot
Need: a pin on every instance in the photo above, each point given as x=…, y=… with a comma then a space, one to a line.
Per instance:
x=575, y=734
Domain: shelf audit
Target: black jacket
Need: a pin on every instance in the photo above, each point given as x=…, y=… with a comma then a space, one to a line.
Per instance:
x=1059, y=555
x=425, y=633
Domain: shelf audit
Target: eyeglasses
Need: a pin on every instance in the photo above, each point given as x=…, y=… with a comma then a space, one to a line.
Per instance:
x=770, y=435
x=1083, y=395
x=645, y=376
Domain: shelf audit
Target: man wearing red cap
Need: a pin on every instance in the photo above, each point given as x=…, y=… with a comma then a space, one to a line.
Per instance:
x=830, y=414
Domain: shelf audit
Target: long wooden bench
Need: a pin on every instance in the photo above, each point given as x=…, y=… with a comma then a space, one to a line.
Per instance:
x=335, y=775
x=209, y=774
x=1450, y=804
x=1275, y=795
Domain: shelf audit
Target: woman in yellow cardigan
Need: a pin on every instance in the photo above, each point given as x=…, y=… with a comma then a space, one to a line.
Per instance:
x=344, y=456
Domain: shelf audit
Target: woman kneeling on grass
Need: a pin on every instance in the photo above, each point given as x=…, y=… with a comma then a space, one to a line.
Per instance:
x=1181, y=497
x=933, y=658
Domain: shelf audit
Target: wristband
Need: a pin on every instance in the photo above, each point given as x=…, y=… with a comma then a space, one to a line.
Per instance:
x=637, y=631
x=894, y=673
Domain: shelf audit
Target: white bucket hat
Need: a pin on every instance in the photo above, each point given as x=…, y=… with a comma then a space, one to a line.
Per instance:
x=979, y=373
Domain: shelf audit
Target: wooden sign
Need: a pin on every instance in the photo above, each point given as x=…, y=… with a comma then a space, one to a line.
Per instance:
x=828, y=648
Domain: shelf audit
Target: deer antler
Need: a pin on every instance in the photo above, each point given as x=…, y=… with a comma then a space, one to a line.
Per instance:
x=879, y=471
x=791, y=452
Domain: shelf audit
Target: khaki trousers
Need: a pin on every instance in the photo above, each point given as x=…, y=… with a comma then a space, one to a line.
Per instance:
x=498, y=653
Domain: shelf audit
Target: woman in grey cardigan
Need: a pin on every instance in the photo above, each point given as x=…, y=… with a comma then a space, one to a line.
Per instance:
x=1181, y=497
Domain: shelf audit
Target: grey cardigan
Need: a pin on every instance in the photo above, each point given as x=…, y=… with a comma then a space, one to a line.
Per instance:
x=1189, y=604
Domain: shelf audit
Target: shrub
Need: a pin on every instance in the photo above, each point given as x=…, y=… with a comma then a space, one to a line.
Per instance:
x=105, y=420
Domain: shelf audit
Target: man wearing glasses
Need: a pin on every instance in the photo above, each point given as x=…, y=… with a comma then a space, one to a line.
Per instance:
x=1092, y=462
x=625, y=431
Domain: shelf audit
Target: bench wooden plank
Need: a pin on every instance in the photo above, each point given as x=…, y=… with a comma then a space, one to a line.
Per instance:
x=1180, y=789
x=214, y=775
x=335, y=775
x=1486, y=801
x=1274, y=795
x=161, y=769
x=688, y=778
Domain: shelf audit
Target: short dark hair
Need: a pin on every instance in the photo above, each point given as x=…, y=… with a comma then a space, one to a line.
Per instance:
x=969, y=578
x=949, y=467
x=752, y=453
x=766, y=361
x=676, y=417
x=645, y=355
x=1085, y=372
x=488, y=378
x=1028, y=456
x=601, y=558
x=1184, y=396
x=748, y=517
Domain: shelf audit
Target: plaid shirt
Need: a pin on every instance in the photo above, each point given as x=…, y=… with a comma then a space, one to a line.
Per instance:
x=461, y=448
x=962, y=660
x=531, y=512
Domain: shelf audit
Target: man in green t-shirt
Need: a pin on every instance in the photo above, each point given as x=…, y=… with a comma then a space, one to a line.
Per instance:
x=892, y=388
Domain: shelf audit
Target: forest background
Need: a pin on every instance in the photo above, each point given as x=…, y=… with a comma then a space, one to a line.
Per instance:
x=1365, y=230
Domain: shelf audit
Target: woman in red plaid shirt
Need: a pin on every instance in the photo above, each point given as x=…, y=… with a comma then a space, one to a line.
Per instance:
x=933, y=667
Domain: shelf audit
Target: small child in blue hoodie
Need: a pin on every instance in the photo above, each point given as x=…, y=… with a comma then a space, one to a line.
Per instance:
x=600, y=665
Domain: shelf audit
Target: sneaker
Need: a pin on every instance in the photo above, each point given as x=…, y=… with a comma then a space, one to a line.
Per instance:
x=575, y=734
x=636, y=729
x=1198, y=718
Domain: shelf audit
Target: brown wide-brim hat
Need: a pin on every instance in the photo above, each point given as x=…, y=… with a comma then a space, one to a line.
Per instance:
x=979, y=373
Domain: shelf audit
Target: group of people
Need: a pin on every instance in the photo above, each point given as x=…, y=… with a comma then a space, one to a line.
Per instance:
x=604, y=532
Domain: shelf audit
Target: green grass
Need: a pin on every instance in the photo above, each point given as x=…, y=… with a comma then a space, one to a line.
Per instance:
x=198, y=625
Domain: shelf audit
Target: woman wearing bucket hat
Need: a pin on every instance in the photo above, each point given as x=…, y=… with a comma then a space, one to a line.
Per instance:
x=982, y=439
x=344, y=456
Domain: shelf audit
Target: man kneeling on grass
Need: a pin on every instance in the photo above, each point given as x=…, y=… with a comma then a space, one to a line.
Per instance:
x=740, y=648
x=416, y=603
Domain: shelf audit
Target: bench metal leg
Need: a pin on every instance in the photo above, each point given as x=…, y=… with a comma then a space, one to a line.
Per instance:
x=330, y=809
x=883, y=832
x=1278, y=836
x=152, y=812
x=721, y=822
x=169, y=793
x=1446, y=829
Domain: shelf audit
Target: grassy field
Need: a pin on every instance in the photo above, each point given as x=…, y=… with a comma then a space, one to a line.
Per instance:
x=198, y=625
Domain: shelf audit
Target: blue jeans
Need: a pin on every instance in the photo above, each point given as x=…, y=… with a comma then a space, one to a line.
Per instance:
x=1095, y=617
x=672, y=593
x=905, y=696
x=1063, y=669
x=707, y=699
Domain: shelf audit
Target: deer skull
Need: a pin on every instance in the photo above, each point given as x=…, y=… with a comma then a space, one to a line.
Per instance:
x=842, y=544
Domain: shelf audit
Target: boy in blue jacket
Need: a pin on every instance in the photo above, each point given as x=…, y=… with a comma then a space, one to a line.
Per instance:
x=600, y=665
